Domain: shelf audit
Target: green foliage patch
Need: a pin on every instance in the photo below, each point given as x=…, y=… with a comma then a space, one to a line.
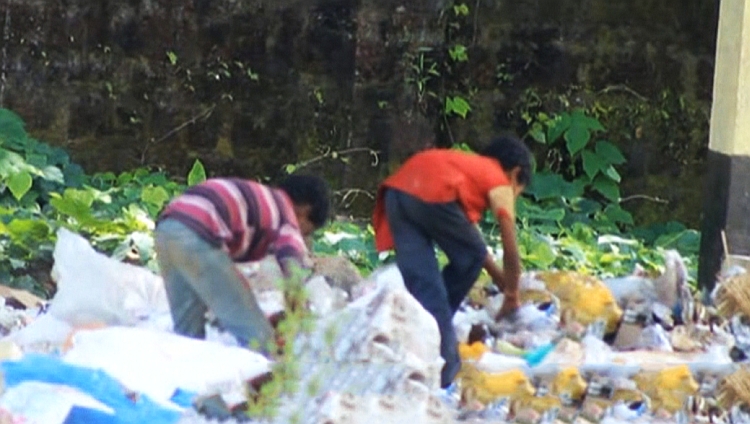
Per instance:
x=570, y=217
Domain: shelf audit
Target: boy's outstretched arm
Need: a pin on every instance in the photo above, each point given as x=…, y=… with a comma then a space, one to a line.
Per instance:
x=511, y=266
x=502, y=203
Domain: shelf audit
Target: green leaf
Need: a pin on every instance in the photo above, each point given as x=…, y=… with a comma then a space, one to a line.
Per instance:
x=459, y=53
x=457, y=105
x=36, y=160
x=537, y=133
x=11, y=127
x=124, y=178
x=547, y=185
x=74, y=203
x=156, y=196
x=577, y=136
x=12, y=163
x=19, y=184
x=461, y=9
x=687, y=241
x=197, y=174
x=607, y=188
x=617, y=214
x=557, y=127
x=592, y=164
x=172, y=56
x=612, y=173
x=592, y=124
x=609, y=152
x=28, y=229
x=54, y=174
x=586, y=206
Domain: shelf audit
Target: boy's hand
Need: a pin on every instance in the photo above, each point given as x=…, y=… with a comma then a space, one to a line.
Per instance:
x=511, y=304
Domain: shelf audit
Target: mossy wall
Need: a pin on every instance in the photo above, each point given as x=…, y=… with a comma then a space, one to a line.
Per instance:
x=250, y=87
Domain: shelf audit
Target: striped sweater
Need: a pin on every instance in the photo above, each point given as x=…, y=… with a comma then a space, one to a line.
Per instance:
x=245, y=218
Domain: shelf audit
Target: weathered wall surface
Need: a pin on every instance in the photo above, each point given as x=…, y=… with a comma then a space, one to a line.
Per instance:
x=251, y=86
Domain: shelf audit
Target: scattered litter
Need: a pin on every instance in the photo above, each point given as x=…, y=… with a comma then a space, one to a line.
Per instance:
x=632, y=349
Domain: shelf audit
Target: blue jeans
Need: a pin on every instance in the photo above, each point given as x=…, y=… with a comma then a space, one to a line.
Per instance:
x=199, y=276
x=416, y=227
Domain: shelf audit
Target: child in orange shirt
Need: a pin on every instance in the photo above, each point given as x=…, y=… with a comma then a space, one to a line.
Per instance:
x=437, y=197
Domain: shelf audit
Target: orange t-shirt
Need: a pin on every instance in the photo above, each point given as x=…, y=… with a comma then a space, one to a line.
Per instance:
x=442, y=176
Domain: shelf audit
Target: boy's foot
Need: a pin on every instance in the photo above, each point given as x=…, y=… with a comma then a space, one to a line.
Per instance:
x=450, y=396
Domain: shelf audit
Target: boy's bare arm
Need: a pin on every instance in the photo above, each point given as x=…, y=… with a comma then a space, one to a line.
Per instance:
x=495, y=272
x=511, y=257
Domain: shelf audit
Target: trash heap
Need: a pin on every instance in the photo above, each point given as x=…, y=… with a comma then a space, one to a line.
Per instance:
x=580, y=350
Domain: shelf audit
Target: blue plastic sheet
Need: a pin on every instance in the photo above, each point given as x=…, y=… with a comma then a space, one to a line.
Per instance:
x=96, y=383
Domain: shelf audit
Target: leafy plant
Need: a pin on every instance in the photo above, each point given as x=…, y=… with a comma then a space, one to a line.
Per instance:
x=285, y=370
x=457, y=105
x=459, y=53
x=560, y=224
x=578, y=175
x=423, y=71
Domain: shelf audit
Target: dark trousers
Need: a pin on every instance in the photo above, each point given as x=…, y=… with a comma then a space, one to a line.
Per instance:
x=417, y=226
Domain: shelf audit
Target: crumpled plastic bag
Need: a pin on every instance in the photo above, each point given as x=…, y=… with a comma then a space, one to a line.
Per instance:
x=45, y=330
x=323, y=298
x=96, y=383
x=157, y=363
x=668, y=388
x=92, y=287
x=583, y=298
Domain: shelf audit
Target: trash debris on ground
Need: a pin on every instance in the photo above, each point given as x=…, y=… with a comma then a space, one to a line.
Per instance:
x=631, y=349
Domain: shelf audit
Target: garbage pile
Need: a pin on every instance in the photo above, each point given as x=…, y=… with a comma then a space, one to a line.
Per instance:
x=634, y=349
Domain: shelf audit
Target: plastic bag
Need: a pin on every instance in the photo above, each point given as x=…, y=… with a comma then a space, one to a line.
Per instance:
x=92, y=287
x=583, y=298
x=158, y=364
x=100, y=386
x=33, y=402
x=323, y=298
x=47, y=329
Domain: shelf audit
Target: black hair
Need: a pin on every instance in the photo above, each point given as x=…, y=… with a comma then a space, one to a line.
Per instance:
x=309, y=190
x=511, y=152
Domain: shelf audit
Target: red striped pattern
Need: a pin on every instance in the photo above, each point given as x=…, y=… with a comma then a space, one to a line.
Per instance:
x=247, y=219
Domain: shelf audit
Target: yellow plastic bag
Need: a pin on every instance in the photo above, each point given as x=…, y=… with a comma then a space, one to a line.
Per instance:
x=472, y=351
x=583, y=298
x=569, y=383
x=482, y=387
x=668, y=389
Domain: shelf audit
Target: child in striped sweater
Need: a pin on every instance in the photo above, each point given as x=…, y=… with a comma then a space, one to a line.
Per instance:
x=203, y=233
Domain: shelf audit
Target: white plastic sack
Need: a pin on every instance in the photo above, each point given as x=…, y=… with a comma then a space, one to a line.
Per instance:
x=33, y=402
x=631, y=288
x=157, y=363
x=387, y=275
x=399, y=329
x=92, y=287
x=348, y=409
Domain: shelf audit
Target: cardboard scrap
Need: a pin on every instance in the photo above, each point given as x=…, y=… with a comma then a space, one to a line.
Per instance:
x=25, y=298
